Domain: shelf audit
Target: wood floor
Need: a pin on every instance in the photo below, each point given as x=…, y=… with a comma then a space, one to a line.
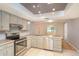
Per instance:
x=67, y=51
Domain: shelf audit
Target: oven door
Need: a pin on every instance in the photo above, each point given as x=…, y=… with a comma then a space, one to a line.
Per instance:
x=20, y=46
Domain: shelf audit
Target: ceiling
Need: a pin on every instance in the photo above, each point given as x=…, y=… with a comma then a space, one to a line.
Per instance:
x=71, y=12
x=44, y=7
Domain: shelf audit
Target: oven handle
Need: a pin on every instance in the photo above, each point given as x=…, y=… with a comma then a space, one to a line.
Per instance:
x=20, y=41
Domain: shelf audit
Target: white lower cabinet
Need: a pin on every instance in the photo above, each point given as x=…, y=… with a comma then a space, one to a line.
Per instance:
x=7, y=50
x=48, y=43
x=40, y=41
x=10, y=51
x=34, y=41
x=2, y=52
x=57, y=45
x=29, y=42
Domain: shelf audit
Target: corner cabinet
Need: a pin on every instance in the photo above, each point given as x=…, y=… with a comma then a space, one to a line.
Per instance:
x=4, y=21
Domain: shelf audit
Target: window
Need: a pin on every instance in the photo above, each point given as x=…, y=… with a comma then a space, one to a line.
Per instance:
x=51, y=28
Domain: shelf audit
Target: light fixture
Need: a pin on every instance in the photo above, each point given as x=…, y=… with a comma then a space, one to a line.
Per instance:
x=28, y=22
x=50, y=21
x=53, y=9
x=49, y=3
x=34, y=6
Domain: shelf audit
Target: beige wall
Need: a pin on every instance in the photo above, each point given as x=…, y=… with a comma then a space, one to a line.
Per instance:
x=41, y=28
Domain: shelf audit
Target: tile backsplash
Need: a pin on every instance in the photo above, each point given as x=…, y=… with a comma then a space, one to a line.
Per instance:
x=2, y=36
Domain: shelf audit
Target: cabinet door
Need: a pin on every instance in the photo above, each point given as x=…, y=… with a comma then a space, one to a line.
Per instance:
x=19, y=20
x=13, y=19
x=5, y=21
x=40, y=42
x=57, y=45
x=1, y=52
x=24, y=25
x=28, y=43
x=10, y=51
x=34, y=42
x=48, y=43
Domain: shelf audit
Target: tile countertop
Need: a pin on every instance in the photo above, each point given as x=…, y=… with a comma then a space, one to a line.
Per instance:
x=6, y=41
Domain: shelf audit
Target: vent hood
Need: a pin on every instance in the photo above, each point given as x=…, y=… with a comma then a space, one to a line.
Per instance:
x=18, y=26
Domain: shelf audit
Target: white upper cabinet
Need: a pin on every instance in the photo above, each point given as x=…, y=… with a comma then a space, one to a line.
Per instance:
x=24, y=24
x=13, y=19
x=4, y=21
x=19, y=20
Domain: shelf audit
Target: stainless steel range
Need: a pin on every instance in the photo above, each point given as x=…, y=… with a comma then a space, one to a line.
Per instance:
x=20, y=44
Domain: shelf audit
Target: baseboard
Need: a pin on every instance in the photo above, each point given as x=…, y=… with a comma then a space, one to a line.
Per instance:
x=72, y=46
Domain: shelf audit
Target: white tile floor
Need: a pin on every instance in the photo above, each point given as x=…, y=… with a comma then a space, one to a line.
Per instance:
x=40, y=52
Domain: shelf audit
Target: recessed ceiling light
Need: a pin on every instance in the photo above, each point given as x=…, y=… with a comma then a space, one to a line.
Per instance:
x=50, y=21
x=28, y=22
x=39, y=12
x=37, y=5
x=34, y=6
x=49, y=3
x=53, y=9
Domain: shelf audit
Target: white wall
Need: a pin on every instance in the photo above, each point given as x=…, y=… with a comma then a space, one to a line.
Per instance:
x=73, y=32
x=2, y=36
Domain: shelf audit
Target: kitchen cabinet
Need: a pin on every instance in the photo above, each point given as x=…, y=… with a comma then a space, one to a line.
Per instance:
x=34, y=41
x=13, y=19
x=19, y=20
x=40, y=42
x=24, y=24
x=57, y=44
x=45, y=42
x=29, y=42
x=7, y=50
x=37, y=41
x=48, y=43
x=4, y=21
x=39, y=28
